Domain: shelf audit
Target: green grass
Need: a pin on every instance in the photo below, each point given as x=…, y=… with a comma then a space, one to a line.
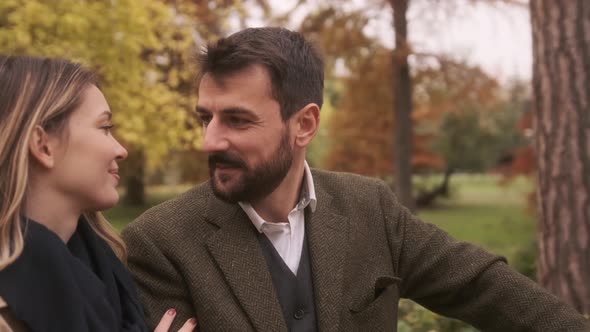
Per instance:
x=487, y=213
x=482, y=211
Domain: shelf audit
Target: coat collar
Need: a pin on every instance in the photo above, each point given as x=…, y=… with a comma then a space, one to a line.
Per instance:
x=327, y=233
x=236, y=249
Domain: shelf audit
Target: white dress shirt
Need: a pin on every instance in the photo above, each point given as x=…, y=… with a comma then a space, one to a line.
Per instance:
x=287, y=237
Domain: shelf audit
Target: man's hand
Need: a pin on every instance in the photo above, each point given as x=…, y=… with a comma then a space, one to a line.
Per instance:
x=166, y=321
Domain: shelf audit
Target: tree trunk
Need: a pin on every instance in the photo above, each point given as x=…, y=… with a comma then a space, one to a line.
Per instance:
x=561, y=95
x=427, y=198
x=134, y=171
x=402, y=95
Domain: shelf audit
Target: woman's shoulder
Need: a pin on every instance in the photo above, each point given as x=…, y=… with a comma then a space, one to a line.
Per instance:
x=42, y=250
x=42, y=255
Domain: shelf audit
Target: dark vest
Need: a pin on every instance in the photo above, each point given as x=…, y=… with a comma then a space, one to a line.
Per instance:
x=295, y=292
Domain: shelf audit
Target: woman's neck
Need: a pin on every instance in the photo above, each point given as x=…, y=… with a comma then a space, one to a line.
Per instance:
x=51, y=210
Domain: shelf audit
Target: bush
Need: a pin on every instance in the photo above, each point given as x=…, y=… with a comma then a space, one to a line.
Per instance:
x=525, y=260
x=414, y=318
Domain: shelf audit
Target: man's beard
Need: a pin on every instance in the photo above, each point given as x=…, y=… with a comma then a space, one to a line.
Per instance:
x=255, y=183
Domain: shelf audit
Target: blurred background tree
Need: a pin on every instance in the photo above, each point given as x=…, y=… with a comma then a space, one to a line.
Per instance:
x=142, y=52
x=128, y=43
x=447, y=94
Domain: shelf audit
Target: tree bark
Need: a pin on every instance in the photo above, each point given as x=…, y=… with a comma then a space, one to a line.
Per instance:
x=402, y=94
x=561, y=96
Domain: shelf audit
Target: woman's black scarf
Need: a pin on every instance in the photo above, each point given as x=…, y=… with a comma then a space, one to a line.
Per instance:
x=81, y=286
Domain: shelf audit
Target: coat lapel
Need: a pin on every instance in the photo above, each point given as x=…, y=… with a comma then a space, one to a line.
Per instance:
x=327, y=235
x=236, y=250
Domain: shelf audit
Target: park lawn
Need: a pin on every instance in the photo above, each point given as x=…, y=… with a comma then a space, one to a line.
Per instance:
x=121, y=215
x=479, y=210
x=487, y=213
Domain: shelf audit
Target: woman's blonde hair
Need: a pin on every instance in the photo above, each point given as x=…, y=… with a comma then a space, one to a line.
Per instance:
x=35, y=92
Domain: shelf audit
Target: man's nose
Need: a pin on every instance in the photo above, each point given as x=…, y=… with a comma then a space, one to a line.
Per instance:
x=215, y=138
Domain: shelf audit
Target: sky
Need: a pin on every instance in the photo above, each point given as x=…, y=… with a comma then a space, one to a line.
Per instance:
x=496, y=37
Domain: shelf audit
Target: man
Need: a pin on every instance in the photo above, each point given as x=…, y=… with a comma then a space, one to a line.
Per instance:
x=269, y=245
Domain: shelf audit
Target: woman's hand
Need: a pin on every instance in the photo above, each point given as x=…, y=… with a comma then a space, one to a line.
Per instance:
x=166, y=321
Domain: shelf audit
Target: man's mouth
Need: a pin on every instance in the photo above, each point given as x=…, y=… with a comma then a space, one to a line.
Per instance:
x=225, y=162
x=223, y=166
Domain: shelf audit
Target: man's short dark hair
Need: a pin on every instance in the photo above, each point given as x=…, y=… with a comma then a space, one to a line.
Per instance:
x=294, y=64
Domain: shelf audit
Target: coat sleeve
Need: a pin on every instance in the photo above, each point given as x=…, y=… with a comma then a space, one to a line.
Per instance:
x=159, y=282
x=463, y=281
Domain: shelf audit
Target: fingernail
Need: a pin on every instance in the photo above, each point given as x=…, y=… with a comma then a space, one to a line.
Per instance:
x=171, y=312
x=193, y=321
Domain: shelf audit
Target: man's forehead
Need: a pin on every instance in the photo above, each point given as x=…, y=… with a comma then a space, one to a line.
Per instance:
x=243, y=90
x=216, y=99
x=252, y=76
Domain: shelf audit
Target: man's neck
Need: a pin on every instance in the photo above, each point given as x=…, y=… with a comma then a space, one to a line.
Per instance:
x=276, y=206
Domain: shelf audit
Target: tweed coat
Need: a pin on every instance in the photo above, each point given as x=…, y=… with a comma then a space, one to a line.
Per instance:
x=201, y=256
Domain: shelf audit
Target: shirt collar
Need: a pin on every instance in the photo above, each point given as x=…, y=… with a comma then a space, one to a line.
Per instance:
x=308, y=192
x=306, y=197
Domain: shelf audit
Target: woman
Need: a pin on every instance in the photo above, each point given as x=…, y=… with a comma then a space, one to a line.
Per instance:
x=60, y=261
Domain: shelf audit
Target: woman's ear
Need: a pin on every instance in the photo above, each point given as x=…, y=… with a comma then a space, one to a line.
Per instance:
x=42, y=147
x=307, y=123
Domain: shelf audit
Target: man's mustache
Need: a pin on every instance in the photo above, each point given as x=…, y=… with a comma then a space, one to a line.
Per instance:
x=225, y=158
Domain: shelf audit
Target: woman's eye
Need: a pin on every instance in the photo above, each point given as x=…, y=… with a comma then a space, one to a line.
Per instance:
x=107, y=128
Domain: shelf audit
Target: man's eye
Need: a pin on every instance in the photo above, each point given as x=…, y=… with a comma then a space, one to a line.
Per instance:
x=204, y=119
x=237, y=121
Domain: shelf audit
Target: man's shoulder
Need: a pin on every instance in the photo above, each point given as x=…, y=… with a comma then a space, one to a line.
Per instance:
x=349, y=191
x=344, y=182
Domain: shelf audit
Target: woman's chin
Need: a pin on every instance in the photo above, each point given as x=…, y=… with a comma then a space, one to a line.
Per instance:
x=106, y=203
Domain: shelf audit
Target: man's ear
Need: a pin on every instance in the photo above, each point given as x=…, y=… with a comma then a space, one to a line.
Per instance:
x=42, y=147
x=307, y=122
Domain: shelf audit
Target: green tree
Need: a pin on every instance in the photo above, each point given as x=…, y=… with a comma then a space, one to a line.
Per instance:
x=475, y=141
x=117, y=39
